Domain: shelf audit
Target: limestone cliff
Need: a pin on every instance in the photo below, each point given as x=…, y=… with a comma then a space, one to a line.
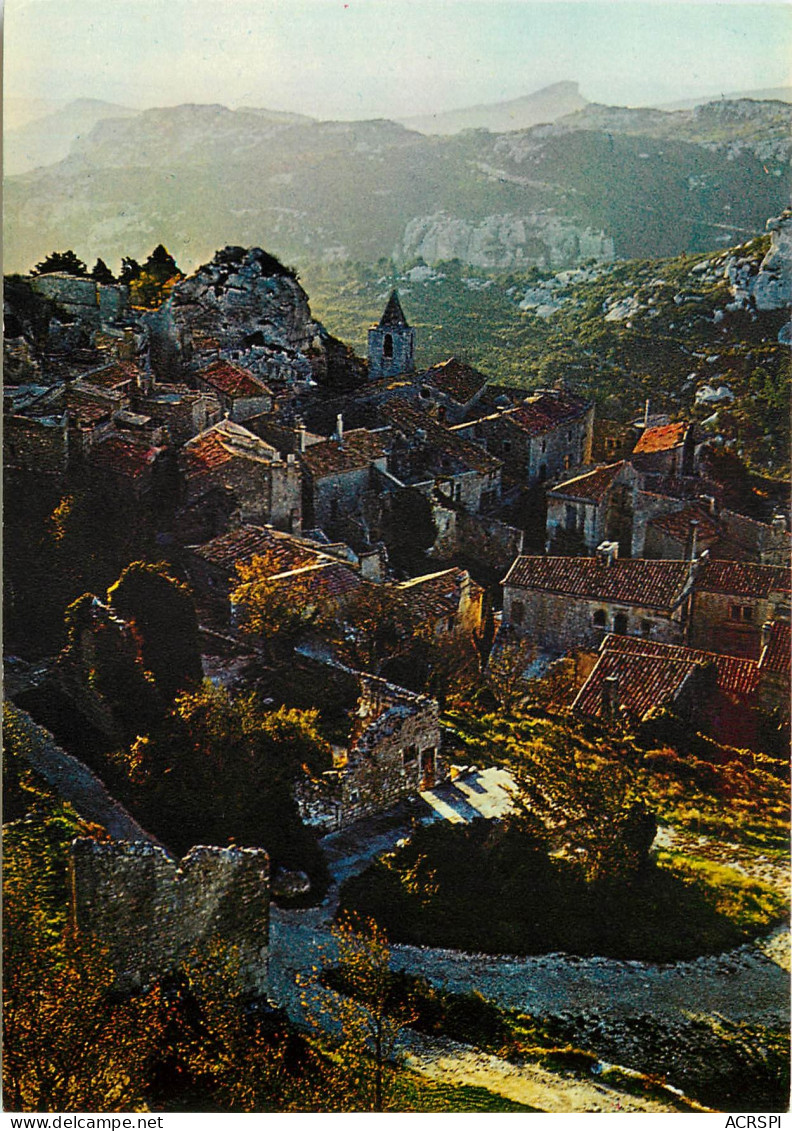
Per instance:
x=769, y=288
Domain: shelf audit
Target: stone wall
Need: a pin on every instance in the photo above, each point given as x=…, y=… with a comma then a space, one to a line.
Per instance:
x=717, y=626
x=558, y=623
x=153, y=912
x=485, y=540
x=402, y=351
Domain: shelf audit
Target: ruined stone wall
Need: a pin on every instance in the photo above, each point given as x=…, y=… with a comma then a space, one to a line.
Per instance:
x=485, y=540
x=557, y=623
x=378, y=778
x=338, y=496
x=153, y=912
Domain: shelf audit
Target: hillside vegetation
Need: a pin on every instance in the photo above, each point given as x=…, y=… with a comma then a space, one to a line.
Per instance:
x=622, y=333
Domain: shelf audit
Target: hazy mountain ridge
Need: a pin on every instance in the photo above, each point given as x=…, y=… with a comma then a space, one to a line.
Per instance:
x=47, y=139
x=198, y=177
x=545, y=105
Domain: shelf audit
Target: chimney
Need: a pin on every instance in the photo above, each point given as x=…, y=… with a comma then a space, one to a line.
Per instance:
x=300, y=435
x=711, y=504
x=646, y=414
x=692, y=540
x=779, y=521
x=610, y=694
x=340, y=428
x=608, y=552
x=767, y=629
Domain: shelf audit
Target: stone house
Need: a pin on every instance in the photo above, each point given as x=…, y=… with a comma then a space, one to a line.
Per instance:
x=183, y=411
x=391, y=343
x=668, y=449
x=239, y=392
x=338, y=474
x=264, y=487
x=592, y=508
x=679, y=533
x=565, y=603
x=454, y=387
x=392, y=751
x=211, y=565
x=538, y=439
x=124, y=467
x=774, y=664
x=449, y=602
x=731, y=603
x=635, y=679
x=438, y=461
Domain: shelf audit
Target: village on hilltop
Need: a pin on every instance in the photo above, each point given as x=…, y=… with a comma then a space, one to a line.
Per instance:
x=379, y=553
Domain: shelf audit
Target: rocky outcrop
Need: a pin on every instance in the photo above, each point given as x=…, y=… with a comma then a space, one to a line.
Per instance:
x=769, y=288
x=248, y=308
x=541, y=238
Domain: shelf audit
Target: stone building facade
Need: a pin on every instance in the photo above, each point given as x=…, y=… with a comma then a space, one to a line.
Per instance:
x=153, y=912
x=542, y=436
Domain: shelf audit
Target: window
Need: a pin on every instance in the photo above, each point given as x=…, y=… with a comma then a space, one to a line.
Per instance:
x=410, y=756
x=450, y=624
x=600, y=618
x=387, y=346
x=620, y=623
x=571, y=518
x=646, y=628
x=542, y=472
x=517, y=612
x=425, y=393
x=544, y=446
x=741, y=613
x=569, y=434
x=567, y=462
x=506, y=445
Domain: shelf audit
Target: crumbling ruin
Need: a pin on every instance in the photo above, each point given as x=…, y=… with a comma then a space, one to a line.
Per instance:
x=153, y=912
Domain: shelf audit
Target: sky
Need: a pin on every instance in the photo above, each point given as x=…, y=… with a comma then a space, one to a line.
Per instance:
x=389, y=58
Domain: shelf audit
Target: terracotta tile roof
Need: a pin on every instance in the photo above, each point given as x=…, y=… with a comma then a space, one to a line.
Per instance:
x=85, y=410
x=742, y=579
x=219, y=445
x=245, y=542
x=662, y=438
x=543, y=412
x=111, y=376
x=324, y=579
x=123, y=457
x=591, y=487
x=440, y=441
x=437, y=594
x=677, y=525
x=629, y=581
x=232, y=380
x=205, y=453
x=775, y=657
x=459, y=381
x=645, y=683
x=359, y=448
x=735, y=675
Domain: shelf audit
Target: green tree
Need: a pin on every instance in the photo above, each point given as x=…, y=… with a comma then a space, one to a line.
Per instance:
x=61, y=261
x=361, y=1021
x=102, y=273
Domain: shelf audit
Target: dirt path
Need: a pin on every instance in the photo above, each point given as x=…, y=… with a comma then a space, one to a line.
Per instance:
x=452, y=1063
x=749, y=984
